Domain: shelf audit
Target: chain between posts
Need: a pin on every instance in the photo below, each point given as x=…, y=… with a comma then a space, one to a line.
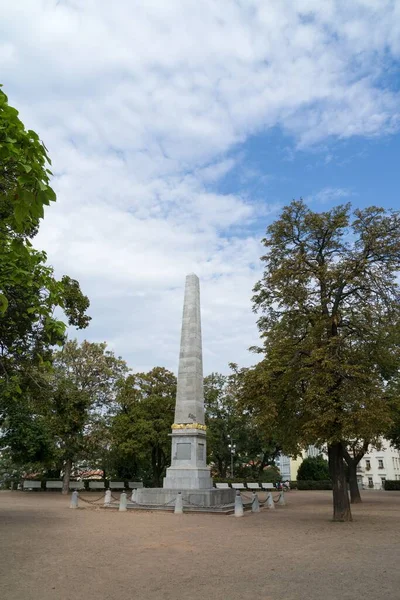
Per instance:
x=91, y=501
x=185, y=500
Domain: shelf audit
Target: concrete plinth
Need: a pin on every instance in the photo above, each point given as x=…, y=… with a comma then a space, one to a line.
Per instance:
x=190, y=497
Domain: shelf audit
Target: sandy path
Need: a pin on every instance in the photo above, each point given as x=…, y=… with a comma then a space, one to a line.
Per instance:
x=292, y=553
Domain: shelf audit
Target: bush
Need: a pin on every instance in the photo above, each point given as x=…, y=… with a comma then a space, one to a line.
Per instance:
x=392, y=484
x=314, y=485
x=314, y=469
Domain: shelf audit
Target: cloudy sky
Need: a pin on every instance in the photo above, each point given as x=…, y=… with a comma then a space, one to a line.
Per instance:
x=179, y=128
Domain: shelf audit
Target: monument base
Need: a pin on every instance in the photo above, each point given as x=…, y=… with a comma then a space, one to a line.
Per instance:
x=190, y=497
x=188, y=478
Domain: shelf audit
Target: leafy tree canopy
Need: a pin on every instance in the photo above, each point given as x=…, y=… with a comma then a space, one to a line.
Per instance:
x=29, y=292
x=314, y=468
x=329, y=304
x=141, y=428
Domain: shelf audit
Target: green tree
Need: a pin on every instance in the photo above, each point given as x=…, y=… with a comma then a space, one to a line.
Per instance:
x=222, y=420
x=140, y=430
x=314, y=468
x=227, y=424
x=24, y=190
x=29, y=292
x=83, y=389
x=329, y=302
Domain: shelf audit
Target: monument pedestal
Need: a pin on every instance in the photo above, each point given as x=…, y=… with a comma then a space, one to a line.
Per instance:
x=190, y=497
x=188, y=468
x=188, y=472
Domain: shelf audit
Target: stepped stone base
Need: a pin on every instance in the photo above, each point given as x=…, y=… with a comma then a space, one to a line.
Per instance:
x=202, y=498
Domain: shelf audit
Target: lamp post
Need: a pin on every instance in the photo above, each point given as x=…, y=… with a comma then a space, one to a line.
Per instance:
x=232, y=448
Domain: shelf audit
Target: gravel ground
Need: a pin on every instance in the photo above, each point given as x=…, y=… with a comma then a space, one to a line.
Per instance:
x=293, y=553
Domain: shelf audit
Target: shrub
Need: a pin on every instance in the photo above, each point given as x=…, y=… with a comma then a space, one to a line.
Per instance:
x=314, y=469
x=314, y=485
x=392, y=484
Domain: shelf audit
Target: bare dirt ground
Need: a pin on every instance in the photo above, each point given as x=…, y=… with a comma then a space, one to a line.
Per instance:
x=292, y=553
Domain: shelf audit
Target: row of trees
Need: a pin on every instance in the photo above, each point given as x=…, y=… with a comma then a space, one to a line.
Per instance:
x=328, y=374
x=92, y=414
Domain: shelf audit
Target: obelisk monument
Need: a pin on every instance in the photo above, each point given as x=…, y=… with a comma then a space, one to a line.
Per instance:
x=188, y=468
x=188, y=472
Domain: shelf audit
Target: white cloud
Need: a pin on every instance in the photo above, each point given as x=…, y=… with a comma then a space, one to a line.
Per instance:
x=144, y=107
x=330, y=194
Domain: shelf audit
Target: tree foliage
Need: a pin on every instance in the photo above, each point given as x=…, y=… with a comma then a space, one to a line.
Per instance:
x=141, y=428
x=228, y=424
x=83, y=389
x=329, y=303
x=29, y=292
x=314, y=468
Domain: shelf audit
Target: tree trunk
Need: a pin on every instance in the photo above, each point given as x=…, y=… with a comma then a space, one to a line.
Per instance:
x=341, y=504
x=355, y=496
x=67, y=475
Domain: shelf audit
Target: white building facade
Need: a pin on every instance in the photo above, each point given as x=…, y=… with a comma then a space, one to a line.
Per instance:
x=378, y=465
x=374, y=468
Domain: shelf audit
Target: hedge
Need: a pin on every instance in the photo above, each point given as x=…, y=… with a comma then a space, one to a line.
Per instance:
x=392, y=484
x=314, y=485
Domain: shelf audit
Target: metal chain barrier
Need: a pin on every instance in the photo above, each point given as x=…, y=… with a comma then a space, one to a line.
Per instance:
x=91, y=501
x=250, y=502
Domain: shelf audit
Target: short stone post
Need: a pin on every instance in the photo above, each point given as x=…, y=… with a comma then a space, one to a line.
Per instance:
x=133, y=496
x=123, y=501
x=270, y=501
x=178, y=504
x=74, y=499
x=281, y=500
x=239, y=512
x=255, y=505
x=107, y=498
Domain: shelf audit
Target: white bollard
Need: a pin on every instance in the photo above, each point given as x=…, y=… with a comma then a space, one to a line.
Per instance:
x=255, y=505
x=178, y=504
x=107, y=498
x=123, y=501
x=74, y=499
x=270, y=501
x=281, y=500
x=133, y=496
x=239, y=512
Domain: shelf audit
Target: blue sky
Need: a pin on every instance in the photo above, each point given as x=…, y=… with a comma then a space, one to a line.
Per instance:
x=178, y=130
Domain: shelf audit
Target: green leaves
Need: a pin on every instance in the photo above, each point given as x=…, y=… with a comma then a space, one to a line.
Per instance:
x=24, y=177
x=329, y=307
x=3, y=304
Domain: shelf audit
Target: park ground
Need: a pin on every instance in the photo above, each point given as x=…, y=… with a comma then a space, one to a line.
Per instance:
x=49, y=551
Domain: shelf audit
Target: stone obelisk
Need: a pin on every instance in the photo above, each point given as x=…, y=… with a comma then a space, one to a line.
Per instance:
x=188, y=472
x=188, y=468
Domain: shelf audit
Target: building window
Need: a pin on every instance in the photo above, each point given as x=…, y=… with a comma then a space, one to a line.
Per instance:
x=368, y=464
x=370, y=482
x=383, y=479
x=380, y=463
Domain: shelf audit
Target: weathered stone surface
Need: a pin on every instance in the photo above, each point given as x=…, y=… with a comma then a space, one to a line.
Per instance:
x=190, y=497
x=189, y=398
x=188, y=472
